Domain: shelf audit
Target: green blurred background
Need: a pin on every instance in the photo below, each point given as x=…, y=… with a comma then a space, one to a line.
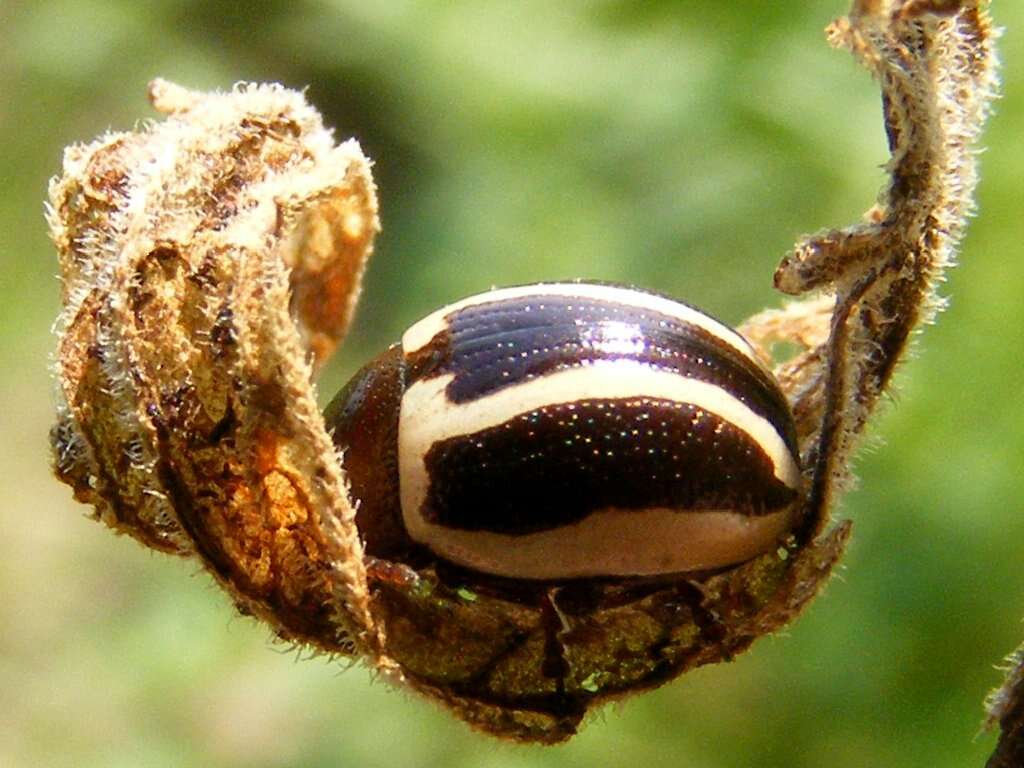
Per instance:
x=681, y=146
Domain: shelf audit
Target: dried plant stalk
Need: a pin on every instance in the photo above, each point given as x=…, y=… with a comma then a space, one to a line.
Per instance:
x=935, y=65
x=1005, y=707
x=211, y=261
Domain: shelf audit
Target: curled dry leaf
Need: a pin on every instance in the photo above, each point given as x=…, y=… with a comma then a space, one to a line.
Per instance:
x=212, y=260
x=198, y=256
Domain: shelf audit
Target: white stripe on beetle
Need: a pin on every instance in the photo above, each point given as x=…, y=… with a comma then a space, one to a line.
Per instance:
x=613, y=542
x=428, y=416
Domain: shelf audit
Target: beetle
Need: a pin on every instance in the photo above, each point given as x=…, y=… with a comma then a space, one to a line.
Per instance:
x=569, y=430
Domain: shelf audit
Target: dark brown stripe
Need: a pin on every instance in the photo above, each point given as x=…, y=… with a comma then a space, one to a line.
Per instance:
x=499, y=344
x=554, y=466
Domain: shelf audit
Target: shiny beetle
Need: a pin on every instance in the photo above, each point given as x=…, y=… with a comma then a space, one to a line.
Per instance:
x=569, y=430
